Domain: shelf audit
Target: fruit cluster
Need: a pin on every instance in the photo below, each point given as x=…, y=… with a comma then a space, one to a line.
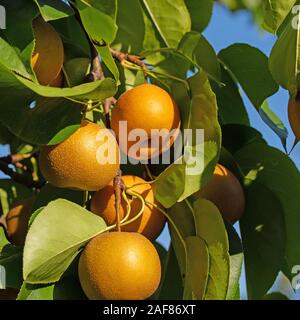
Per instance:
x=121, y=264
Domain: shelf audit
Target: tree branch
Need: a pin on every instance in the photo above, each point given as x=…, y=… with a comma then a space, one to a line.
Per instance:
x=122, y=56
x=25, y=179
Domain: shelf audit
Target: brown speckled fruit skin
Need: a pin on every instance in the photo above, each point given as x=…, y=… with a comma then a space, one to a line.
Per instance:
x=119, y=266
x=150, y=224
x=226, y=192
x=17, y=221
x=294, y=117
x=146, y=107
x=73, y=163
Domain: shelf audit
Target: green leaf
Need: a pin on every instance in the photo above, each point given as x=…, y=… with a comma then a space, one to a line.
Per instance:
x=11, y=260
x=76, y=70
x=46, y=122
x=3, y=239
x=236, y=263
x=201, y=12
x=276, y=172
x=76, y=43
x=181, y=216
x=170, y=19
x=217, y=285
x=197, y=112
x=180, y=177
x=199, y=107
x=263, y=234
x=274, y=122
x=211, y=228
x=15, y=86
x=18, y=32
x=284, y=58
x=237, y=136
x=6, y=137
x=10, y=192
x=54, y=9
x=11, y=60
x=197, y=269
x=209, y=223
x=36, y=292
x=131, y=32
x=68, y=288
x=108, y=60
x=250, y=67
x=63, y=134
x=47, y=259
x=274, y=13
x=171, y=283
x=96, y=91
x=195, y=46
x=231, y=107
x=99, y=19
x=50, y=193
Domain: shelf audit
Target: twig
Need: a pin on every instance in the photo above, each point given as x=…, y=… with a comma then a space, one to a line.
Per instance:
x=24, y=179
x=118, y=188
x=122, y=56
x=96, y=72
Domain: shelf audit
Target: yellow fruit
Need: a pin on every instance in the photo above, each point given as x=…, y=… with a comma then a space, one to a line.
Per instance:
x=150, y=224
x=48, y=56
x=146, y=107
x=294, y=117
x=17, y=221
x=226, y=192
x=119, y=266
x=87, y=160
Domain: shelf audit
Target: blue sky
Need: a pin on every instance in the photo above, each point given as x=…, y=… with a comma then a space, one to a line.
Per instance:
x=225, y=29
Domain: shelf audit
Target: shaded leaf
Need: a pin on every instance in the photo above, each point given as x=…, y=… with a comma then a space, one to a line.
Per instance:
x=274, y=122
x=11, y=261
x=10, y=192
x=197, y=269
x=50, y=193
x=47, y=259
x=201, y=12
x=263, y=234
x=276, y=171
x=54, y=9
x=195, y=46
x=171, y=283
x=274, y=13
x=231, y=107
x=284, y=58
x=250, y=67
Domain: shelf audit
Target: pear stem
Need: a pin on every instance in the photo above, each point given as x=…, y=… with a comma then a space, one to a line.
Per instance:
x=118, y=186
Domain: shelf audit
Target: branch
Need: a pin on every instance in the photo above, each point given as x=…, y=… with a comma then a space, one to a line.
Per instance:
x=96, y=72
x=24, y=179
x=121, y=56
x=118, y=188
